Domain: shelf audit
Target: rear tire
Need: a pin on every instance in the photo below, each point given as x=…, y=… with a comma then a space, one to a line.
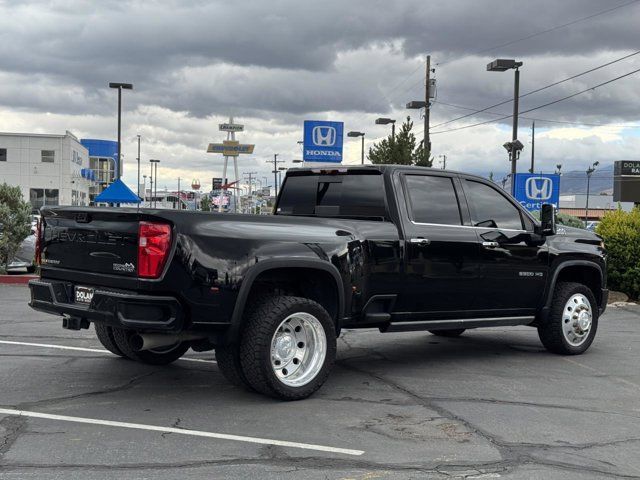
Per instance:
x=105, y=336
x=159, y=356
x=454, y=332
x=228, y=358
x=572, y=322
x=288, y=346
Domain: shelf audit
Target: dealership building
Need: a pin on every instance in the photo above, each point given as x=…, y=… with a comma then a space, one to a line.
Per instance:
x=56, y=169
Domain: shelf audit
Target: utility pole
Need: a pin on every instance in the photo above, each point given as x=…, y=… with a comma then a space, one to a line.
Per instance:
x=427, y=108
x=251, y=176
x=275, y=162
x=179, y=199
x=444, y=161
x=533, y=145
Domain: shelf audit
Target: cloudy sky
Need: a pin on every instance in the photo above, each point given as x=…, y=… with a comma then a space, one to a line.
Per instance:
x=273, y=64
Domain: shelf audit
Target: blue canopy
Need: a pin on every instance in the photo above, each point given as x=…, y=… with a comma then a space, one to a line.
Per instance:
x=118, y=192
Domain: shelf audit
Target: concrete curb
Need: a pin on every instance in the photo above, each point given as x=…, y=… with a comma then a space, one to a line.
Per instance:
x=16, y=279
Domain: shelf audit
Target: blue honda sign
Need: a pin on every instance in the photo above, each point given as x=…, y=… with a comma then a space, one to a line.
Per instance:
x=322, y=141
x=532, y=190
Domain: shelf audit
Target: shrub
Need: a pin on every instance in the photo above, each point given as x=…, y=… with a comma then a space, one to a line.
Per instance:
x=621, y=233
x=14, y=222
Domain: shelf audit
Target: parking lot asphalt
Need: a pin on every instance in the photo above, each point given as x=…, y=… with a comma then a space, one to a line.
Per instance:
x=490, y=404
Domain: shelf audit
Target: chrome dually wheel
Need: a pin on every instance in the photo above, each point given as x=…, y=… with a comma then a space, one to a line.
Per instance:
x=577, y=319
x=298, y=349
x=287, y=346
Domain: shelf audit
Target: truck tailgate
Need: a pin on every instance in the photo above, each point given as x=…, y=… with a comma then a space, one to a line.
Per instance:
x=91, y=240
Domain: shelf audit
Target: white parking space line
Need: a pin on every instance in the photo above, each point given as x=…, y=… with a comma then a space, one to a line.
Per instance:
x=93, y=350
x=181, y=431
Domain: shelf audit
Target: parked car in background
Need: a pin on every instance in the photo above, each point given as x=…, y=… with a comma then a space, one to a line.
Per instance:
x=591, y=226
x=25, y=257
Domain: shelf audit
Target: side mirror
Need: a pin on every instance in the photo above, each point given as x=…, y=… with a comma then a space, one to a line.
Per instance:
x=548, y=219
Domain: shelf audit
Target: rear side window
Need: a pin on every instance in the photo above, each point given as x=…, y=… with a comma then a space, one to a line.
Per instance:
x=491, y=209
x=352, y=195
x=433, y=200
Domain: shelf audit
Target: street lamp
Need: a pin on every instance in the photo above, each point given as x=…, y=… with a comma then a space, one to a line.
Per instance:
x=154, y=169
x=120, y=86
x=358, y=134
x=387, y=121
x=590, y=171
x=502, y=65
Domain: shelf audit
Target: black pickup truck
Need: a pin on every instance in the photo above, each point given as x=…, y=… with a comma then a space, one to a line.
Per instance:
x=389, y=247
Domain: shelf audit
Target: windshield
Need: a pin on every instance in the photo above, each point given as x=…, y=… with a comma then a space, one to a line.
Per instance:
x=348, y=195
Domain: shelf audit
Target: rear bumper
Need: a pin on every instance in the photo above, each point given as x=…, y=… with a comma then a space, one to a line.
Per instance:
x=119, y=308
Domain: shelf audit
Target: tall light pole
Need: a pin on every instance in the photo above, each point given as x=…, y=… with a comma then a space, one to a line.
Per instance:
x=275, y=162
x=154, y=193
x=144, y=188
x=387, y=121
x=179, y=197
x=533, y=145
x=358, y=134
x=502, y=65
x=590, y=171
x=120, y=86
x=444, y=161
x=138, y=184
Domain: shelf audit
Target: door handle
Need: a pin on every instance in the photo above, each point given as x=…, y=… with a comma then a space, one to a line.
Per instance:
x=490, y=244
x=421, y=241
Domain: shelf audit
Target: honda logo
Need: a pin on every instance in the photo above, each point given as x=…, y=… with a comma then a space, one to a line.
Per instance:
x=539, y=188
x=324, y=136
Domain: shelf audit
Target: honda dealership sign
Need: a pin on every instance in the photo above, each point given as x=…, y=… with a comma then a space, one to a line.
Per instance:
x=532, y=190
x=322, y=141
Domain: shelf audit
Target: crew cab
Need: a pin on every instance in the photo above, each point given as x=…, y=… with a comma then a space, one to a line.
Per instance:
x=396, y=248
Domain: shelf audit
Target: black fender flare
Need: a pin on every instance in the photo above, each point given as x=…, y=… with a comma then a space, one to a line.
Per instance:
x=552, y=284
x=273, y=264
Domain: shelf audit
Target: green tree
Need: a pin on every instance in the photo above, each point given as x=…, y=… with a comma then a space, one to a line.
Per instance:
x=14, y=222
x=205, y=203
x=401, y=149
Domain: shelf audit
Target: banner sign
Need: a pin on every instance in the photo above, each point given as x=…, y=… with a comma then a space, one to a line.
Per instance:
x=323, y=141
x=230, y=148
x=230, y=127
x=532, y=190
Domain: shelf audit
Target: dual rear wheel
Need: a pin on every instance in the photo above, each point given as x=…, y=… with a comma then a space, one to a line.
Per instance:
x=286, y=349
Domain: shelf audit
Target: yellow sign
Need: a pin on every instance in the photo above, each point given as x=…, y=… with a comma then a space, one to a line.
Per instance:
x=230, y=148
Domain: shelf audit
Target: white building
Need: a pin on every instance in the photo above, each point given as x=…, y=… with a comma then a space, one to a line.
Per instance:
x=49, y=169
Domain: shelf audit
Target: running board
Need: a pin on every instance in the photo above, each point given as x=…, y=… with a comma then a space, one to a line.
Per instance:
x=459, y=323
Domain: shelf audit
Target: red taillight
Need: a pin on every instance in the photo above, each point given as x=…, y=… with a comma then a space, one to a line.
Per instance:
x=38, y=257
x=154, y=243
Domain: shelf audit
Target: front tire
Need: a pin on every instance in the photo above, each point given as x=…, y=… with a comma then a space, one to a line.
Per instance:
x=288, y=347
x=572, y=322
x=157, y=356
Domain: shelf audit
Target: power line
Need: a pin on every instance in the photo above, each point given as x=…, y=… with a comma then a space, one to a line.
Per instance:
x=541, y=88
x=552, y=29
x=586, y=124
x=539, y=106
x=510, y=42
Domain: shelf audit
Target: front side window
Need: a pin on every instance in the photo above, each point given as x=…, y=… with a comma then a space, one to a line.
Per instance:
x=48, y=156
x=491, y=209
x=432, y=199
x=3, y=154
